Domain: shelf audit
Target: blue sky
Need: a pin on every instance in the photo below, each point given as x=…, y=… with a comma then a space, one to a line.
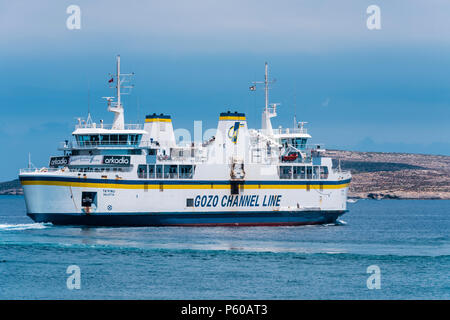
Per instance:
x=379, y=90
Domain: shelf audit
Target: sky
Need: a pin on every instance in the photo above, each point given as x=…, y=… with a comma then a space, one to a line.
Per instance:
x=382, y=90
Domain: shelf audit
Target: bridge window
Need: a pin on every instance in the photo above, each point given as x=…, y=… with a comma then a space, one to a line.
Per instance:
x=104, y=139
x=123, y=139
x=299, y=143
x=285, y=172
x=114, y=139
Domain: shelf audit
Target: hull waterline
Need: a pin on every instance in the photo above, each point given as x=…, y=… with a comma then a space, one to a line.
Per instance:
x=224, y=219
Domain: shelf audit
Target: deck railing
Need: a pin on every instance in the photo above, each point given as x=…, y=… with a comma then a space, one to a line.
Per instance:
x=73, y=144
x=290, y=130
x=128, y=126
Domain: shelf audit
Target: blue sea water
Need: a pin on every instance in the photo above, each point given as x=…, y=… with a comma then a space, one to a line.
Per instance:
x=407, y=239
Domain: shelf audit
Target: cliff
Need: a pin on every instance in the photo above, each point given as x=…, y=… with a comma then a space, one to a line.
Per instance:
x=380, y=175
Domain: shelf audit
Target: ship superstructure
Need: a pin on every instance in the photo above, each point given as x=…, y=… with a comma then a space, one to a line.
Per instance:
x=138, y=175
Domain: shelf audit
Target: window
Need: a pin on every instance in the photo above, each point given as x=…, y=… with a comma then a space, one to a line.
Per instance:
x=299, y=172
x=299, y=143
x=94, y=140
x=285, y=172
x=114, y=139
x=151, y=171
x=323, y=172
x=189, y=202
x=104, y=139
x=83, y=140
x=186, y=172
x=159, y=170
x=88, y=199
x=142, y=171
x=308, y=172
x=315, y=172
x=171, y=171
x=123, y=138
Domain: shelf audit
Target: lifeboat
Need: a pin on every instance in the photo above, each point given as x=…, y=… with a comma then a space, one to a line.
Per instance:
x=290, y=157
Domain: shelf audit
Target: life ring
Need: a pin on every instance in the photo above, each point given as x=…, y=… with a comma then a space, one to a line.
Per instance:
x=43, y=170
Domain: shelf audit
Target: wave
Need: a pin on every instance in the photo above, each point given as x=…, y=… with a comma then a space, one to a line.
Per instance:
x=218, y=249
x=23, y=226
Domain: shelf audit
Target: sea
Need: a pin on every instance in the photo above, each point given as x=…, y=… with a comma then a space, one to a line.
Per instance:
x=386, y=249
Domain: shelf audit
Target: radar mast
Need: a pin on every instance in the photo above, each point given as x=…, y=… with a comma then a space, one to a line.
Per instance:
x=117, y=107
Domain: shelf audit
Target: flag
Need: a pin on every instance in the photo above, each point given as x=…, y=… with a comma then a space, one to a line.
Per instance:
x=252, y=88
x=111, y=80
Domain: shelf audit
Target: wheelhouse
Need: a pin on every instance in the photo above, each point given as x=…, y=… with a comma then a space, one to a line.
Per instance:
x=108, y=139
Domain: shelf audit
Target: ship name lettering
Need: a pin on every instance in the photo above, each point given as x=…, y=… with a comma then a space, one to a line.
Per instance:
x=210, y=201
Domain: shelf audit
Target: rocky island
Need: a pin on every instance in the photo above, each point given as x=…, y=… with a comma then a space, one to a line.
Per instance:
x=376, y=175
x=383, y=175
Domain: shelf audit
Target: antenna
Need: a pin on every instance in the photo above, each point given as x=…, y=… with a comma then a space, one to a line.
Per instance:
x=270, y=111
x=89, y=97
x=89, y=119
x=138, y=120
x=117, y=107
x=266, y=83
x=295, y=108
x=30, y=164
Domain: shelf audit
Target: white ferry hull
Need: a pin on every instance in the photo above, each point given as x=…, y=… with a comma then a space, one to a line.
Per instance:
x=164, y=203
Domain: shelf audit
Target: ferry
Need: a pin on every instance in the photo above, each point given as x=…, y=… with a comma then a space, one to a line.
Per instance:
x=139, y=175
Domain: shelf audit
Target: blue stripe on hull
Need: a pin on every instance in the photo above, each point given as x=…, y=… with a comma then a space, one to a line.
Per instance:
x=188, y=219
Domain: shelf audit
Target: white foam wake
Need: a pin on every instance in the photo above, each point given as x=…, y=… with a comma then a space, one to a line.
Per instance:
x=23, y=226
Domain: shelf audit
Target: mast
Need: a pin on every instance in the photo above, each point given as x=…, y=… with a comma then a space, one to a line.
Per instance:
x=270, y=111
x=118, y=81
x=266, y=85
x=116, y=107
